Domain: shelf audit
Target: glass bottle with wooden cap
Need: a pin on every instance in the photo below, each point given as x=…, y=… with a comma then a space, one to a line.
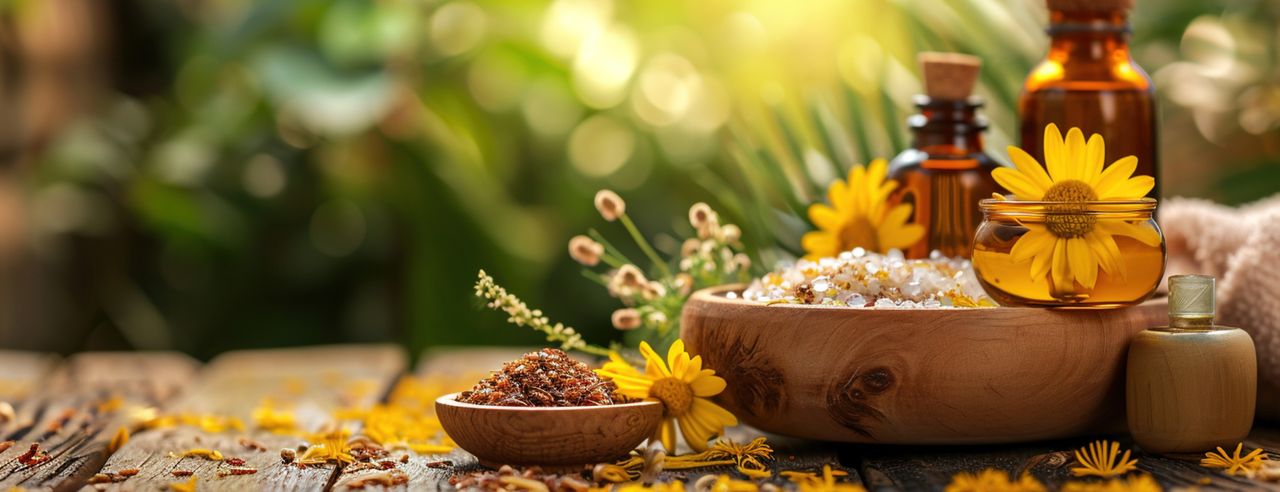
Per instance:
x=1192, y=385
x=945, y=172
x=1089, y=80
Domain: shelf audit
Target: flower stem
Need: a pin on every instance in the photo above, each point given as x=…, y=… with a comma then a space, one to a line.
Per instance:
x=612, y=255
x=521, y=315
x=644, y=245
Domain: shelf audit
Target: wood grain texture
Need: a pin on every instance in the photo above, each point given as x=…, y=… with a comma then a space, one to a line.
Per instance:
x=932, y=467
x=80, y=407
x=879, y=467
x=1166, y=367
x=20, y=373
x=451, y=369
x=790, y=454
x=312, y=381
x=922, y=376
x=548, y=436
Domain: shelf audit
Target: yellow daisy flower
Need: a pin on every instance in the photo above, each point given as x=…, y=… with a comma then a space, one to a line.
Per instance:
x=992, y=480
x=1070, y=247
x=859, y=216
x=1103, y=459
x=683, y=387
x=1232, y=464
x=1133, y=483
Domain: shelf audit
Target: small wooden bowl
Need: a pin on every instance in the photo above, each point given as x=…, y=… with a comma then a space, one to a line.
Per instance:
x=551, y=437
x=917, y=376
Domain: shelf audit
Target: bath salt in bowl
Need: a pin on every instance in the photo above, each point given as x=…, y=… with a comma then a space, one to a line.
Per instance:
x=860, y=278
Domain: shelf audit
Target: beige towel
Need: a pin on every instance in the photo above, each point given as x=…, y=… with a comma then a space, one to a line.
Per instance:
x=1241, y=247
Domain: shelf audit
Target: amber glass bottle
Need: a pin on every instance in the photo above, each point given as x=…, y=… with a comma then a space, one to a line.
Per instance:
x=945, y=172
x=1088, y=80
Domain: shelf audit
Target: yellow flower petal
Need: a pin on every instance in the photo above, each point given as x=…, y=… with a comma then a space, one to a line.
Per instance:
x=695, y=433
x=1094, y=158
x=653, y=360
x=692, y=369
x=707, y=386
x=1061, y=270
x=876, y=172
x=820, y=244
x=900, y=237
x=1116, y=173
x=674, y=354
x=1083, y=266
x=1108, y=254
x=1055, y=158
x=1145, y=235
x=1030, y=169
x=716, y=415
x=1017, y=184
x=1034, y=241
x=858, y=196
x=896, y=216
x=838, y=195
x=1131, y=189
x=667, y=435
x=825, y=217
x=1075, y=152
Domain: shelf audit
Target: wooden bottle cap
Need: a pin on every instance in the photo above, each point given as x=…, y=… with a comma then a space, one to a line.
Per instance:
x=1089, y=5
x=949, y=76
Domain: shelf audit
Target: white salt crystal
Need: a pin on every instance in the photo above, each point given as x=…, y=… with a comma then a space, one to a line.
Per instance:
x=821, y=283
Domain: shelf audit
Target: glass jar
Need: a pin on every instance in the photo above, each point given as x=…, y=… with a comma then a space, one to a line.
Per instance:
x=1100, y=254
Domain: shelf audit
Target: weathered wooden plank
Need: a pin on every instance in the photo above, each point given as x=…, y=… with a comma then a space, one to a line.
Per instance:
x=439, y=371
x=931, y=468
x=794, y=455
x=80, y=408
x=20, y=373
x=311, y=383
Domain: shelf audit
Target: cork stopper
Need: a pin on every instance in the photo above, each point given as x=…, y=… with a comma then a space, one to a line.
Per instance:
x=1191, y=299
x=1089, y=5
x=949, y=76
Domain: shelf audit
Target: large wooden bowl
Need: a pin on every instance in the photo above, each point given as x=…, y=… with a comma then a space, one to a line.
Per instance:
x=553, y=437
x=920, y=376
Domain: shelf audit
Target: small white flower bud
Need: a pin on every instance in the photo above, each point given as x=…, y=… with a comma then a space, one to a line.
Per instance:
x=701, y=215
x=585, y=251
x=610, y=205
x=626, y=319
x=630, y=276
x=690, y=247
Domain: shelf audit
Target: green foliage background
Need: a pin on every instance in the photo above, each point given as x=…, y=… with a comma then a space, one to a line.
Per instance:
x=307, y=171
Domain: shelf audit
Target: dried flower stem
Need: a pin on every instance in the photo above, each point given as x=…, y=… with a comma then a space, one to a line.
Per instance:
x=521, y=315
x=644, y=244
x=612, y=256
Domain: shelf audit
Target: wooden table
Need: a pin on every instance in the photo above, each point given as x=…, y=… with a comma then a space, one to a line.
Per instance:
x=74, y=407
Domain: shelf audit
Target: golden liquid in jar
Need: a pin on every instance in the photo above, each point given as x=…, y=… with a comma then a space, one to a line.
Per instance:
x=1010, y=282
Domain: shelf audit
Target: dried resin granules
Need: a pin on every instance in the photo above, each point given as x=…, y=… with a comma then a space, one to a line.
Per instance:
x=546, y=378
x=860, y=278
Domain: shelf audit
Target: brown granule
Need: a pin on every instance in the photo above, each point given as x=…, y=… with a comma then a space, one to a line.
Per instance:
x=546, y=378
